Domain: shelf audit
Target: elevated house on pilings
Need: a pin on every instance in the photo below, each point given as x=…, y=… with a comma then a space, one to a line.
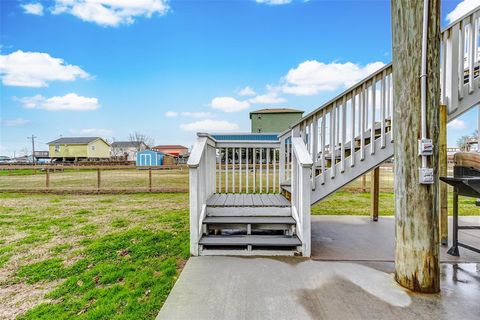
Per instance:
x=259, y=203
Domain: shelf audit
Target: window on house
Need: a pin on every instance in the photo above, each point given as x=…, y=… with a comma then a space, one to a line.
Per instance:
x=57, y=148
x=92, y=148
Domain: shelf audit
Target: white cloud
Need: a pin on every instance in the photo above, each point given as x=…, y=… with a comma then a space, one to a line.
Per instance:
x=247, y=91
x=462, y=8
x=457, y=124
x=312, y=77
x=268, y=98
x=33, y=8
x=36, y=69
x=274, y=2
x=111, y=13
x=14, y=122
x=92, y=131
x=171, y=114
x=70, y=101
x=209, y=125
x=229, y=104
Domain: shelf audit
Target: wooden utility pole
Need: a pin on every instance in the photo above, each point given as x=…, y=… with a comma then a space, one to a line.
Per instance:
x=442, y=171
x=416, y=209
x=374, y=193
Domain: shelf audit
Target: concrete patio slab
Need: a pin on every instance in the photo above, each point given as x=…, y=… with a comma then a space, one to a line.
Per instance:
x=356, y=238
x=212, y=288
x=350, y=276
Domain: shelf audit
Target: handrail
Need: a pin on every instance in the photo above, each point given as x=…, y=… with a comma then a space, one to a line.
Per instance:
x=301, y=153
x=367, y=79
x=197, y=152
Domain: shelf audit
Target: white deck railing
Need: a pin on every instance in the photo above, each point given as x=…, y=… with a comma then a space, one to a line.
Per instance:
x=360, y=118
x=301, y=190
x=247, y=167
x=459, y=66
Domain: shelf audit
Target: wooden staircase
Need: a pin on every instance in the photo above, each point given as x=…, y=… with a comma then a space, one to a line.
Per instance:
x=251, y=194
x=248, y=224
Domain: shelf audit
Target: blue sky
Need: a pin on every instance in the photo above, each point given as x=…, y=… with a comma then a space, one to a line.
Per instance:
x=171, y=68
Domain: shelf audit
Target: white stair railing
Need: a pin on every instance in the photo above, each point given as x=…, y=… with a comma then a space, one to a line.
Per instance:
x=353, y=132
x=247, y=166
x=459, y=65
x=301, y=190
x=201, y=165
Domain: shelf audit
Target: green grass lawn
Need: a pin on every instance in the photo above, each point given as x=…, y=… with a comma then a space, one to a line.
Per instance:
x=90, y=257
x=350, y=203
x=109, y=256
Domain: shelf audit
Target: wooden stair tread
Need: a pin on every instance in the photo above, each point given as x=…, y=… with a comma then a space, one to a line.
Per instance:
x=250, y=220
x=248, y=200
x=254, y=240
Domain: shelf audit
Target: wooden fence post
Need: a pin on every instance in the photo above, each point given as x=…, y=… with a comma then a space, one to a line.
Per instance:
x=47, y=178
x=99, y=179
x=364, y=183
x=374, y=193
x=150, y=179
x=442, y=171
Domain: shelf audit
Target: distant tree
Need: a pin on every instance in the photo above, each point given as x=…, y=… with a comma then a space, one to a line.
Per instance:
x=137, y=136
x=462, y=143
x=23, y=152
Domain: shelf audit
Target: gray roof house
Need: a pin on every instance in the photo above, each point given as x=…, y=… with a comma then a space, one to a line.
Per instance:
x=126, y=150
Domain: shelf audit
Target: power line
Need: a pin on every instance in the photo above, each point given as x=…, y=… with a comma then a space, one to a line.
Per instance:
x=33, y=147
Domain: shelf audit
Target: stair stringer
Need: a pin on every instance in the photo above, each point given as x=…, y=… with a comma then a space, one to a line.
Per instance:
x=351, y=173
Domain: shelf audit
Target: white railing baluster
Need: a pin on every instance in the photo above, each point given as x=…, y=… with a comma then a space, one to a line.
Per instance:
x=246, y=170
x=226, y=170
x=240, y=178
x=314, y=138
x=261, y=171
x=382, y=111
x=352, y=129
x=461, y=64
x=233, y=170
x=332, y=139
x=344, y=133
x=471, y=55
x=254, y=156
x=323, y=125
x=267, y=150
x=362, y=123
x=374, y=104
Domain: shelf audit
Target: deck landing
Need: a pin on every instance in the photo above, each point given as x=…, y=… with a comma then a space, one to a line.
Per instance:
x=247, y=200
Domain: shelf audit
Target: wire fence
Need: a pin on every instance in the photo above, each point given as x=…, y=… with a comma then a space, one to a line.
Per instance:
x=118, y=179
x=99, y=179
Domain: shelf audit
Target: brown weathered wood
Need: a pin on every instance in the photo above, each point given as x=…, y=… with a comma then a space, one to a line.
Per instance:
x=416, y=241
x=150, y=179
x=47, y=178
x=374, y=193
x=442, y=171
x=364, y=183
x=99, y=179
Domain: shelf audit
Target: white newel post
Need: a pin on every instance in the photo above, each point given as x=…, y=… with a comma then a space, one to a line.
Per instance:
x=301, y=191
x=194, y=210
x=200, y=188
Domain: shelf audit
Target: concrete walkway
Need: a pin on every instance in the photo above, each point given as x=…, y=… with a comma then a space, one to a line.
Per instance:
x=354, y=282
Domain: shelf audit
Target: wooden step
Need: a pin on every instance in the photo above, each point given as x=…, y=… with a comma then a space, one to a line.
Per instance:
x=249, y=211
x=247, y=200
x=249, y=220
x=253, y=240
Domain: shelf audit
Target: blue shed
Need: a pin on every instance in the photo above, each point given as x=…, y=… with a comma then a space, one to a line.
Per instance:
x=149, y=158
